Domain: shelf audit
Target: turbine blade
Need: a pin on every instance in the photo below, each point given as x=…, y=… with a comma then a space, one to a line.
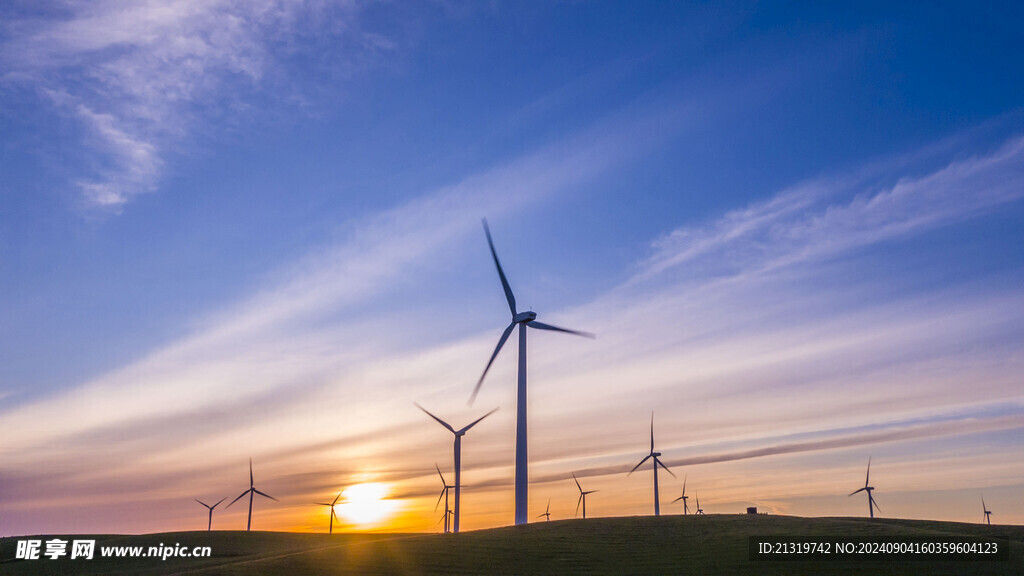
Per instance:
x=543, y=326
x=504, y=282
x=577, y=482
x=207, y=505
x=322, y=504
x=677, y=499
x=578, y=504
x=477, y=421
x=873, y=503
x=548, y=509
x=443, y=490
x=441, y=422
x=239, y=498
x=652, y=432
x=639, y=465
x=336, y=498
x=251, y=483
x=501, y=342
x=684, y=484
x=443, y=483
x=867, y=479
x=218, y=502
x=659, y=463
x=855, y=491
x=265, y=495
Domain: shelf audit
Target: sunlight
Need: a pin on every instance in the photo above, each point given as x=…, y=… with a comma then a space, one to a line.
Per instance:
x=365, y=504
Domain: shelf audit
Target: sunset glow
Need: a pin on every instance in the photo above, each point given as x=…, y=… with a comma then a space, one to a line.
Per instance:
x=366, y=505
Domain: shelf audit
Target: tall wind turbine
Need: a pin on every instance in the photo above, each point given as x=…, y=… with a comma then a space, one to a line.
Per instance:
x=444, y=494
x=988, y=513
x=700, y=511
x=458, y=456
x=871, y=499
x=209, y=523
x=523, y=319
x=583, y=497
x=684, y=497
x=547, y=511
x=251, y=491
x=330, y=529
x=655, y=462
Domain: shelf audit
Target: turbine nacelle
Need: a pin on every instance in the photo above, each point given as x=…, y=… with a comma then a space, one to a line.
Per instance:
x=522, y=317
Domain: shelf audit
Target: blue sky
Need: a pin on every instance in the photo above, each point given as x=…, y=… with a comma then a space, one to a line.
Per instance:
x=253, y=229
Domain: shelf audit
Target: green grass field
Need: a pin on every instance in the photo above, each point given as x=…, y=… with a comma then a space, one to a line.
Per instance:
x=715, y=544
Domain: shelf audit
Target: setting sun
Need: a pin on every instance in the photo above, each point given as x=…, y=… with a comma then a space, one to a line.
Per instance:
x=365, y=504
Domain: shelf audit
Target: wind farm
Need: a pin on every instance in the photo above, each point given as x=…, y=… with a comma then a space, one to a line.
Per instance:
x=786, y=235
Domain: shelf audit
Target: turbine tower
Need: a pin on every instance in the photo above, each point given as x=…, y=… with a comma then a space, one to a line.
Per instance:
x=988, y=513
x=523, y=319
x=684, y=497
x=330, y=529
x=583, y=497
x=251, y=491
x=458, y=456
x=655, y=462
x=547, y=511
x=872, y=506
x=209, y=523
x=444, y=494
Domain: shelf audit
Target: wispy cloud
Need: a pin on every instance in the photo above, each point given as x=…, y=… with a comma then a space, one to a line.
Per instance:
x=819, y=219
x=139, y=75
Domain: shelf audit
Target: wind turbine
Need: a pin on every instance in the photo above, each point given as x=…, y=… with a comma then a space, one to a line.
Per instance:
x=330, y=529
x=458, y=456
x=251, y=491
x=700, y=511
x=684, y=497
x=444, y=494
x=871, y=499
x=523, y=319
x=583, y=497
x=547, y=511
x=988, y=513
x=655, y=462
x=209, y=523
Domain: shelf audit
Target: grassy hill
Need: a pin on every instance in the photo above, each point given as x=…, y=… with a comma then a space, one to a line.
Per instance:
x=715, y=544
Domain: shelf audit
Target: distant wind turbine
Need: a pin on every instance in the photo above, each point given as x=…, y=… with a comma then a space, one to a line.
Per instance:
x=583, y=497
x=655, y=462
x=700, y=511
x=251, y=491
x=547, y=511
x=444, y=494
x=458, y=456
x=209, y=523
x=523, y=319
x=684, y=497
x=988, y=513
x=330, y=529
x=872, y=506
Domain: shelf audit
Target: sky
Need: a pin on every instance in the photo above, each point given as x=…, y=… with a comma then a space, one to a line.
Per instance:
x=234, y=230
